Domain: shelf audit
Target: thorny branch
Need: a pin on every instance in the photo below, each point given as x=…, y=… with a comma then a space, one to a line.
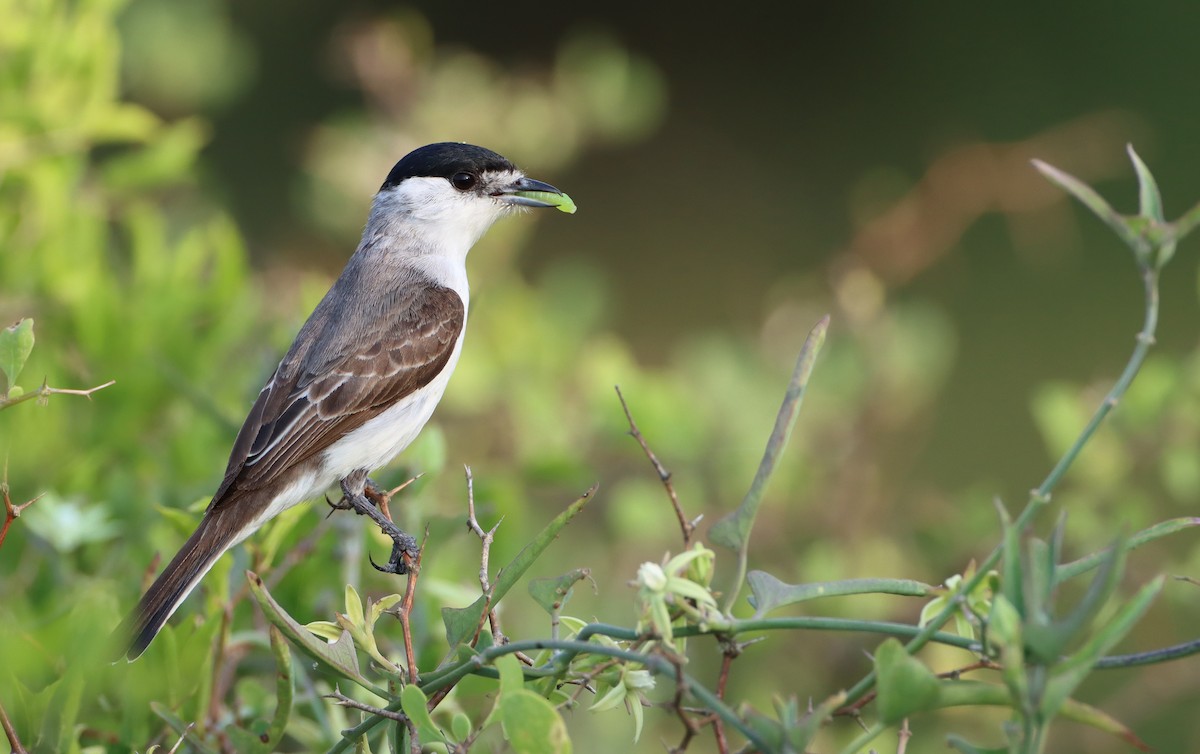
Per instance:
x=341, y=699
x=403, y=611
x=11, y=512
x=485, y=539
x=686, y=527
x=43, y=393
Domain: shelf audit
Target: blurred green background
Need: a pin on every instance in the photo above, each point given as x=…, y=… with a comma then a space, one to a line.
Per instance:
x=182, y=179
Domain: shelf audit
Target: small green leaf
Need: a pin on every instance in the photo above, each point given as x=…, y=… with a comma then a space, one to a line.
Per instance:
x=1158, y=531
x=1092, y=200
x=461, y=623
x=354, y=606
x=1149, y=198
x=905, y=685
x=1011, y=571
x=733, y=531
x=416, y=705
x=803, y=733
x=552, y=593
x=768, y=593
x=460, y=726
x=338, y=657
x=512, y=679
x=16, y=343
x=285, y=689
x=958, y=743
x=532, y=724
x=1071, y=672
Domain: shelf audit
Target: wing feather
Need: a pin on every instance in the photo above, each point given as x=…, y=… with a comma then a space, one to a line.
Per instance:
x=336, y=377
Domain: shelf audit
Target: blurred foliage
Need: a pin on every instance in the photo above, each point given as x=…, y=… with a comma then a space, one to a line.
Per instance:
x=135, y=274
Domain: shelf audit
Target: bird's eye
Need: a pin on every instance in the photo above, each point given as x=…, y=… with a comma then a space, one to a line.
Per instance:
x=463, y=181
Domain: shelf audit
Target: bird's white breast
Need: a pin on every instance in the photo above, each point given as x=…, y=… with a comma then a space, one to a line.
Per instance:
x=381, y=439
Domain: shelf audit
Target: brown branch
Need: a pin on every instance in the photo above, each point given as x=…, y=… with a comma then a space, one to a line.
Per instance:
x=10, y=732
x=687, y=528
x=691, y=726
x=341, y=699
x=405, y=607
x=43, y=393
x=11, y=512
x=486, y=538
x=732, y=650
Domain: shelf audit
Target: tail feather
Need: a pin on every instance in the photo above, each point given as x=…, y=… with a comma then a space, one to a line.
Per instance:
x=217, y=532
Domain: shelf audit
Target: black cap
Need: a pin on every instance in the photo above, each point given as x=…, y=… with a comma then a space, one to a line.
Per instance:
x=443, y=160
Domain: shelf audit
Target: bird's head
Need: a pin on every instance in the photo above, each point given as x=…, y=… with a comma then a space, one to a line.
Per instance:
x=450, y=193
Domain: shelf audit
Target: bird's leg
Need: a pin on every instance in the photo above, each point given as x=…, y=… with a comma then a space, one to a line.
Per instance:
x=360, y=503
x=371, y=490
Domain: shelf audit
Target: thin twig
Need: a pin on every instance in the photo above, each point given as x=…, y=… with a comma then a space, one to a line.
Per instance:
x=11, y=512
x=339, y=698
x=904, y=734
x=44, y=392
x=405, y=611
x=686, y=527
x=10, y=732
x=732, y=650
x=691, y=727
x=486, y=538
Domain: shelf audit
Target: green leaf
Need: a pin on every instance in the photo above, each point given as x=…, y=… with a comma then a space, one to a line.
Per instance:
x=733, y=531
x=1158, y=531
x=532, y=724
x=1149, y=198
x=1092, y=200
x=512, y=678
x=768, y=593
x=16, y=343
x=338, y=657
x=553, y=592
x=62, y=712
x=1070, y=673
x=285, y=689
x=460, y=726
x=462, y=623
x=966, y=693
x=958, y=743
x=905, y=685
x=1011, y=571
x=1004, y=630
x=188, y=733
x=1103, y=584
x=416, y=705
x=803, y=734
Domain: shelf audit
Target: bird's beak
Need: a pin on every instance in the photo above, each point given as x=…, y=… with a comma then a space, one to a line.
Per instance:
x=530, y=193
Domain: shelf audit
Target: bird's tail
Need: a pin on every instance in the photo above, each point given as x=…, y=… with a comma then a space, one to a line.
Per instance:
x=217, y=532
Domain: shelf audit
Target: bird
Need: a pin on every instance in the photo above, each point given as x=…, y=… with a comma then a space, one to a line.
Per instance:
x=365, y=371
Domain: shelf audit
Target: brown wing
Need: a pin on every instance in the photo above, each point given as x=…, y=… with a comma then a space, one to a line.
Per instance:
x=350, y=362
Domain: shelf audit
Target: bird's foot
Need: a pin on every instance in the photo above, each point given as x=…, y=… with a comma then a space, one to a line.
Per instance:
x=371, y=491
x=364, y=505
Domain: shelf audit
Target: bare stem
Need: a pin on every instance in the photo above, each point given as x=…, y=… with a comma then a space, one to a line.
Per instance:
x=486, y=538
x=44, y=392
x=345, y=701
x=9, y=731
x=686, y=527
